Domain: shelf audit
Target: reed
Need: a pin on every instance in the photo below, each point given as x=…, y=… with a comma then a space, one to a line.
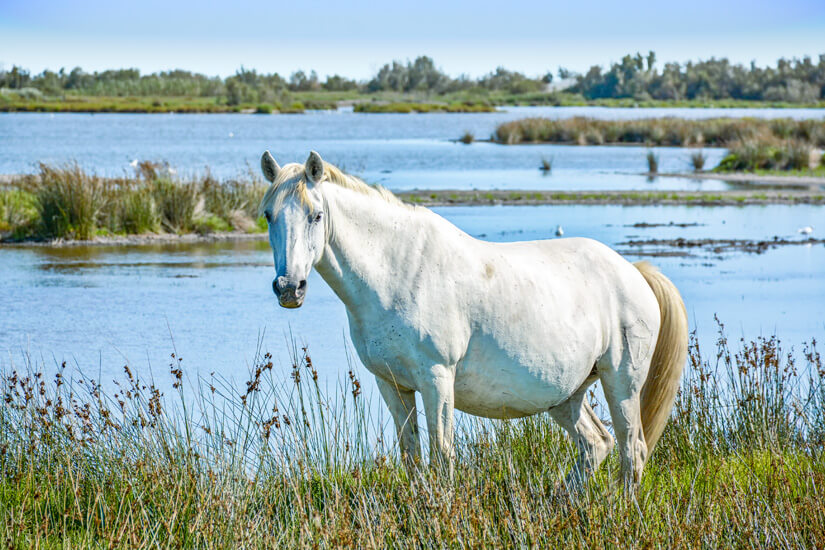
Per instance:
x=69, y=201
x=284, y=461
x=65, y=202
x=718, y=132
x=697, y=161
x=652, y=162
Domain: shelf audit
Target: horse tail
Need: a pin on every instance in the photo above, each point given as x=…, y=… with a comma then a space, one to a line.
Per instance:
x=669, y=356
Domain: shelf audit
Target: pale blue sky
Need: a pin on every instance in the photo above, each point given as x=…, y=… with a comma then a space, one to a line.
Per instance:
x=355, y=37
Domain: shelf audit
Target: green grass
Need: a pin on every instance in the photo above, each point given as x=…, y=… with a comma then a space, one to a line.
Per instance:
x=68, y=203
x=283, y=461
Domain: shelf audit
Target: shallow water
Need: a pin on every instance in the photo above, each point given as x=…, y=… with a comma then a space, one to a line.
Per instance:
x=401, y=151
x=103, y=307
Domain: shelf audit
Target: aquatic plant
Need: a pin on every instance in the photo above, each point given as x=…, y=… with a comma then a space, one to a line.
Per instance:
x=652, y=162
x=697, y=161
x=467, y=138
x=546, y=165
x=285, y=461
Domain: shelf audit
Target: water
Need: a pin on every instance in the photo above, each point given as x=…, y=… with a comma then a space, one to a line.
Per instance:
x=401, y=151
x=103, y=307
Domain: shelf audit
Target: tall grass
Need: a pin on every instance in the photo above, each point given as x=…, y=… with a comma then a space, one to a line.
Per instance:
x=67, y=202
x=286, y=462
x=718, y=132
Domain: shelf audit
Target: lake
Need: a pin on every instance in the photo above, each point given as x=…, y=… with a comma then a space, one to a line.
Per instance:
x=103, y=307
x=400, y=151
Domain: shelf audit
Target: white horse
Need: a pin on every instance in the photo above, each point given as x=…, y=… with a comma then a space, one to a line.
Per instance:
x=495, y=330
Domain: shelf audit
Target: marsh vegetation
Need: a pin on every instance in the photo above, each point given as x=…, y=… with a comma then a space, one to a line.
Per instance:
x=68, y=202
x=285, y=461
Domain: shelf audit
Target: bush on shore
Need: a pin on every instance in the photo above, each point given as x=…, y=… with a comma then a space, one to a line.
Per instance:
x=69, y=203
x=288, y=463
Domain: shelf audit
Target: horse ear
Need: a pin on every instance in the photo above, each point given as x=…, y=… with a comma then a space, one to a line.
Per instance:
x=314, y=167
x=269, y=167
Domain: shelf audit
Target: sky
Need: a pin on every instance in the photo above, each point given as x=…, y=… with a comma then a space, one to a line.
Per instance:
x=355, y=38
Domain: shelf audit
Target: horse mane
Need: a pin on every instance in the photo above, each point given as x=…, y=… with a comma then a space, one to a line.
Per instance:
x=291, y=180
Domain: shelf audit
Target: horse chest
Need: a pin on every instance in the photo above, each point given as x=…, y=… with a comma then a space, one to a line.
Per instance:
x=391, y=349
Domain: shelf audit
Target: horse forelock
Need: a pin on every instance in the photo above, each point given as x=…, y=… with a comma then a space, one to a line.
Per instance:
x=292, y=180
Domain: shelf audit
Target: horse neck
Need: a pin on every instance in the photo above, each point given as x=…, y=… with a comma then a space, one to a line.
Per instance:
x=367, y=237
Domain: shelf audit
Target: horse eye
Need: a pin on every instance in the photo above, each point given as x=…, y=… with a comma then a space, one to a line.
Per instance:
x=268, y=216
x=317, y=217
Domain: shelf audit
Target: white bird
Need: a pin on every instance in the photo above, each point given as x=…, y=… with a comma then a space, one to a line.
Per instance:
x=559, y=231
x=807, y=230
x=134, y=163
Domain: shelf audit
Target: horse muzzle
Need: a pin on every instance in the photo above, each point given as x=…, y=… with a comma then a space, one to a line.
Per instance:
x=290, y=295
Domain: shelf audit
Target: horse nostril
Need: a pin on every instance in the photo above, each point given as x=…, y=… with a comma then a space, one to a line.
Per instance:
x=275, y=287
x=302, y=285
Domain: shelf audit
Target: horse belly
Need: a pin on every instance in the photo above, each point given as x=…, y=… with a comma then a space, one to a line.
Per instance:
x=494, y=384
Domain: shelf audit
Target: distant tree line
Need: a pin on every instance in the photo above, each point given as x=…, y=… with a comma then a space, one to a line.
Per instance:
x=796, y=80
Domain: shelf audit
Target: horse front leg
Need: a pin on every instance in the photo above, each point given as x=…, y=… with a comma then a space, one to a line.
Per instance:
x=438, y=396
x=401, y=403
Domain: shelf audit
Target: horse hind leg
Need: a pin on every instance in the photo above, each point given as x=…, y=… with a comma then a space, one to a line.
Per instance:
x=622, y=388
x=590, y=436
